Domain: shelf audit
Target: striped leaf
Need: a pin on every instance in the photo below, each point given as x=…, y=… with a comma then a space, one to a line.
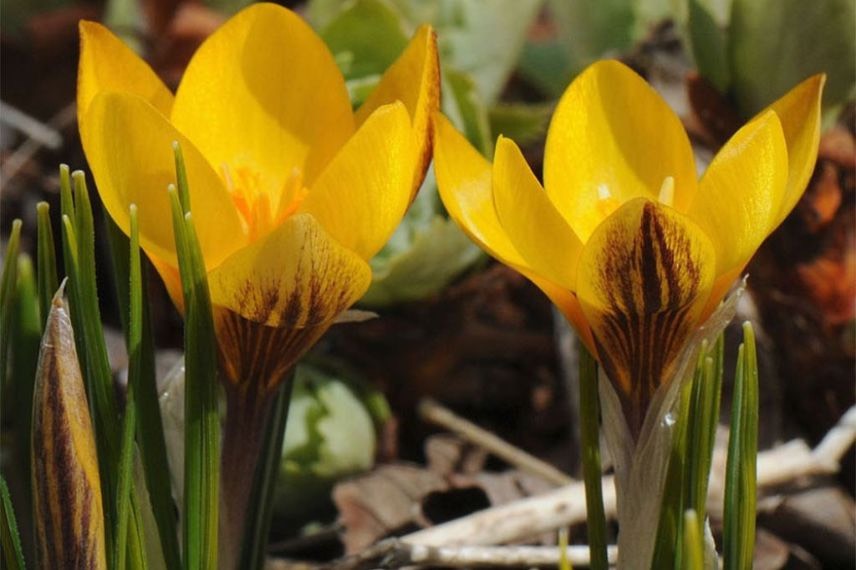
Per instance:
x=66, y=484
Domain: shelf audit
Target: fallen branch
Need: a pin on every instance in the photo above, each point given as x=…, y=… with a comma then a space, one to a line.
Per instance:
x=393, y=553
x=527, y=518
x=432, y=411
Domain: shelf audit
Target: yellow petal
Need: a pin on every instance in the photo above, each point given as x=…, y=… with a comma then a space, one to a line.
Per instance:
x=171, y=279
x=264, y=91
x=539, y=233
x=738, y=195
x=464, y=181
x=297, y=276
x=414, y=79
x=362, y=195
x=643, y=279
x=611, y=139
x=799, y=112
x=128, y=145
x=107, y=64
x=568, y=304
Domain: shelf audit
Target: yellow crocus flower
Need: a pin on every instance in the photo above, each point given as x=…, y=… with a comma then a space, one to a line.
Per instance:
x=291, y=191
x=634, y=250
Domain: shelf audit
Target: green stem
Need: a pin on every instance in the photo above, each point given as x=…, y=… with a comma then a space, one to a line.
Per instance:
x=590, y=438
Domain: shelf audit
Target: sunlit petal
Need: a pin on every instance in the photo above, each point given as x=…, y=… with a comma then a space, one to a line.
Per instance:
x=128, y=144
x=799, y=112
x=362, y=195
x=738, y=194
x=568, y=304
x=414, y=79
x=107, y=64
x=537, y=230
x=297, y=276
x=611, y=139
x=643, y=279
x=464, y=182
x=264, y=90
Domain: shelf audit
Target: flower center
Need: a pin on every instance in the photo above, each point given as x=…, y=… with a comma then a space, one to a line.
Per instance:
x=261, y=205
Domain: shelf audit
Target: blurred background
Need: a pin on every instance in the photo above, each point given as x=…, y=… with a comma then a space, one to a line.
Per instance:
x=456, y=326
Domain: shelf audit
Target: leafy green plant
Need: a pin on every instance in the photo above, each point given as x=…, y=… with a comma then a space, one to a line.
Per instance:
x=754, y=50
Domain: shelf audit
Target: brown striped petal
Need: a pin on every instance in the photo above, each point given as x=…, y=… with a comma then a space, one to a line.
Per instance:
x=66, y=485
x=644, y=277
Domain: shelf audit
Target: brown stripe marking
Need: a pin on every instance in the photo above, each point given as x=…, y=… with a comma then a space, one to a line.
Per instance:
x=67, y=491
x=651, y=286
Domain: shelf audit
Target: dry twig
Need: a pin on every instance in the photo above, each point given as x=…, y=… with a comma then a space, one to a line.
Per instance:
x=434, y=412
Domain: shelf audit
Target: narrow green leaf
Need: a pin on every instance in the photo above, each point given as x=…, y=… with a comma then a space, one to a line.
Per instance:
x=740, y=473
x=181, y=178
x=8, y=284
x=706, y=399
x=10, y=540
x=667, y=553
x=89, y=338
x=202, y=422
x=592, y=473
x=46, y=264
x=693, y=545
x=749, y=442
x=79, y=250
x=65, y=192
x=260, y=509
x=150, y=437
x=564, y=561
x=202, y=417
x=24, y=341
x=129, y=424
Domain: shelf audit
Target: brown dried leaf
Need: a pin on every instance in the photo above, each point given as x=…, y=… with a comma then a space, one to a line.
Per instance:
x=382, y=502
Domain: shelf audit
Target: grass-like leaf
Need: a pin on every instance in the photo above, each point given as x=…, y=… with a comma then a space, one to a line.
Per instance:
x=129, y=420
x=693, y=544
x=590, y=438
x=667, y=551
x=10, y=540
x=741, y=466
x=24, y=340
x=150, y=436
x=8, y=284
x=706, y=398
x=79, y=253
x=89, y=339
x=202, y=422
x=46, y=273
